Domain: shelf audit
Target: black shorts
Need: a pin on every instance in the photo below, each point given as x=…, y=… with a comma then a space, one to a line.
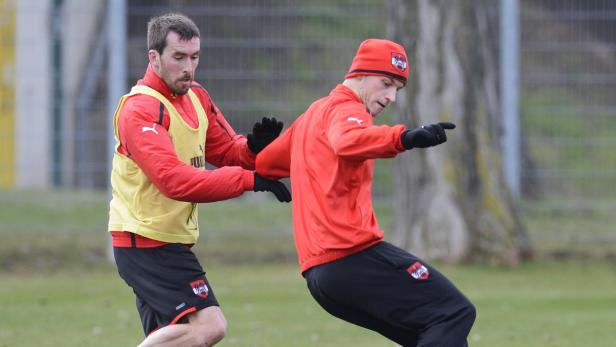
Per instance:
x=388, y=290
x=168, y=282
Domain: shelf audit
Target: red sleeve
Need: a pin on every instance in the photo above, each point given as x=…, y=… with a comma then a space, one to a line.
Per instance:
x=223, y=147
x=353, y=136
x=274, y=161
x=155, y=155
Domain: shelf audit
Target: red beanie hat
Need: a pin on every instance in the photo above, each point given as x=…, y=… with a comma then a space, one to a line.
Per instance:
x=381, y=58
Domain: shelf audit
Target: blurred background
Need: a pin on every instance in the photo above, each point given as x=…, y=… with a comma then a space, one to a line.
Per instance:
x=65, y=63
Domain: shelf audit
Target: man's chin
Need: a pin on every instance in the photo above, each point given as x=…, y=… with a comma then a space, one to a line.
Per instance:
x=180, y=91
x=376, y=112
x=182, y=87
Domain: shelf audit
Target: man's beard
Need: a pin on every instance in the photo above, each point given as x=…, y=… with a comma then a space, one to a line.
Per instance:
x=173, y=84
x=178, y=90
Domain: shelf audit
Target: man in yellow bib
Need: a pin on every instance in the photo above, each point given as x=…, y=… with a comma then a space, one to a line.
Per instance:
x=166, y=129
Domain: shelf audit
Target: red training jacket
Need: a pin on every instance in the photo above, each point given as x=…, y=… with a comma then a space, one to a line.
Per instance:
x=328, y=152
x=156, y=156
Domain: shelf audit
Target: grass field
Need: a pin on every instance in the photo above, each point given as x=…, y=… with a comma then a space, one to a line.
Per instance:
x=58, y=290
x=542, y=304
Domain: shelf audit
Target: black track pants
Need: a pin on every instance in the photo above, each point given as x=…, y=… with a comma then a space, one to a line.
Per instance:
x=396, y=294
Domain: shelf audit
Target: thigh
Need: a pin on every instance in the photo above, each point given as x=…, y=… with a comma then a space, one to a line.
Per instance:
x=150, y=319
x=391, y=285
x=168, y=281
x=208, y=317
x=357, y=316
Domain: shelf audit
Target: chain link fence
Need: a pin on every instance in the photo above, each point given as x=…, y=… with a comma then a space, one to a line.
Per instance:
x=274, y=57
x=568, y=114
x=568, y=84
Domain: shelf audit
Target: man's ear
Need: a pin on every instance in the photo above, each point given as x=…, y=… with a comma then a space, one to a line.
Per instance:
x=154, y=59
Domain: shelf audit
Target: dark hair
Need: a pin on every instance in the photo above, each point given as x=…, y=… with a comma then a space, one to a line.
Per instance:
x=160, y=26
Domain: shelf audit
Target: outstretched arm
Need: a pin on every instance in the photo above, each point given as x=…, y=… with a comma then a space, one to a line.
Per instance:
x=352, y=136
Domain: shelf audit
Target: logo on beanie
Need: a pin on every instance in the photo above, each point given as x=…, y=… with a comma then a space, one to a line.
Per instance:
x=398, y=61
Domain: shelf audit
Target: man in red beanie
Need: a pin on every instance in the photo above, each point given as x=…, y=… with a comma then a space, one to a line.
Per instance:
x=350, y=270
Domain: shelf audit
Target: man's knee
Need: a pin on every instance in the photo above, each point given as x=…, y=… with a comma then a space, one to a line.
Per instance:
x=209, y=327
x=216, y=332
x=461, y=322
x=468, y=313
x=460, y=317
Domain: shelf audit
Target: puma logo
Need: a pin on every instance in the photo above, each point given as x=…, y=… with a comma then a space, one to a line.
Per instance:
x=353, y=119
x=152, y=129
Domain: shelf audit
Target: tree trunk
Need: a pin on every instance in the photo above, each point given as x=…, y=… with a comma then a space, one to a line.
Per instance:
x=451, y=201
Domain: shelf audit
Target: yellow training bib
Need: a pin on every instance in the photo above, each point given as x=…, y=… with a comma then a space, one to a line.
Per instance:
x=137, y=205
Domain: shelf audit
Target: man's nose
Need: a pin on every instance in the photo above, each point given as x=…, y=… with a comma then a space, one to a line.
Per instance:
x=189, y=65
x=391, y=96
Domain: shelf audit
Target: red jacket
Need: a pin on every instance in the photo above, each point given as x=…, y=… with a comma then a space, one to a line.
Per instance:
x=328, y=152
x=155, y=155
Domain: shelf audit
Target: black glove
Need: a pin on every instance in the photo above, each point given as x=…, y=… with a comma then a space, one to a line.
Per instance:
x=278, y=188
x=426, y=136
x=263, y=133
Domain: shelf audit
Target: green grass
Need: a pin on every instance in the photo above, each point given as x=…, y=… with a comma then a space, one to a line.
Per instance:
x=58, y=290
x=541, y=304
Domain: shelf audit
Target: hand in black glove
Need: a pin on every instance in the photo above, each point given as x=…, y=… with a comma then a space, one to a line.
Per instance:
x=263, y=133
x=278, y=188
x=426, y=136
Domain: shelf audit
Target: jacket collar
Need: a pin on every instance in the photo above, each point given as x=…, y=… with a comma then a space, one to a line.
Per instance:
x=345, y=92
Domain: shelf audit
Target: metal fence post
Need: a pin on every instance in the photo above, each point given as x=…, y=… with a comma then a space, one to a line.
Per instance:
x=116, y=48
x=509, y=85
